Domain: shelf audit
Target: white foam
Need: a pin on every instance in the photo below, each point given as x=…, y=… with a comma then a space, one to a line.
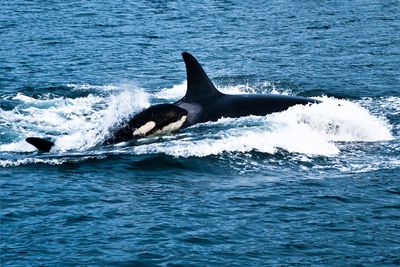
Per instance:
x=314, y=130
x=338, y=120
x=85, y=86
x=245, y=141
x=19, y=146
x=50, y=161
x=25, y=99
x=95, y=129
x=78, y=123
x=311, y=130
x=175, y=92
x=14, y=163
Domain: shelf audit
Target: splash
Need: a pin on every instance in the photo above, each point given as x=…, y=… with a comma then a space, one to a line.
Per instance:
x=78, y=123
x=312, y=130
x=338, y=120
x=174, y=93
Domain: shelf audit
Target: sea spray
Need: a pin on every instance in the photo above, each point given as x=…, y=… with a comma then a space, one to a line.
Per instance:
x=74, y=123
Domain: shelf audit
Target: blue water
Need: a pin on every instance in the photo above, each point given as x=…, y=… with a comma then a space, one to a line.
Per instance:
x=313, y=185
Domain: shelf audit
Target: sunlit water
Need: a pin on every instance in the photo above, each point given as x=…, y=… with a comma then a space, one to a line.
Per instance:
x=313, y=185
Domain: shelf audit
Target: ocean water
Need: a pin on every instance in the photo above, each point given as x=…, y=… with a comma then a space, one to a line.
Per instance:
x=313, y=185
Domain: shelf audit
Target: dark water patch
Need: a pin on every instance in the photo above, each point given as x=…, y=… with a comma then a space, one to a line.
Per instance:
x=394, y=206
x=338, y=199
x=158, y=163
x=167, y=164
x=9, y=217
x=7, y=26
x=257, y=199
x=44, y=92
x=352, y=20
x=395, y=191
x=290, y=208
x=106, y=25
x=198, y=241
x=151, y=36
x=57, y=91
x=77, y=219
x=319, y=27
x=7, y=68
x=234, y=79
x=64, y=202
x=139, y=263
x=7, y=104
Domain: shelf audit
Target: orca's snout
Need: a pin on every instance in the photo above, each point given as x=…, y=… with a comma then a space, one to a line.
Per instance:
x=161, y=118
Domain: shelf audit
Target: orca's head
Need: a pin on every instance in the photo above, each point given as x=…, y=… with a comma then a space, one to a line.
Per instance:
x=158, y=119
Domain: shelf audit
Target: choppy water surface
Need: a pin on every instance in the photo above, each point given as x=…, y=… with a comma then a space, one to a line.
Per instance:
x=313, y=185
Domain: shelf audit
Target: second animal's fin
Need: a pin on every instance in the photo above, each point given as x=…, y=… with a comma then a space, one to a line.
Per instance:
x=40, y=143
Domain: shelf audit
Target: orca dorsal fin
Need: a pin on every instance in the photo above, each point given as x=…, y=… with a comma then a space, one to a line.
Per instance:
x=40, y=143
x=200, y=89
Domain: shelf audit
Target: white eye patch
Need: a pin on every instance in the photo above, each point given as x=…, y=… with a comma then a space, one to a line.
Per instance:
x=174, y=126
x=142, y=130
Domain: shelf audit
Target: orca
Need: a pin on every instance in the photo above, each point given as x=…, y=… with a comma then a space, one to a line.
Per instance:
x=201, y=103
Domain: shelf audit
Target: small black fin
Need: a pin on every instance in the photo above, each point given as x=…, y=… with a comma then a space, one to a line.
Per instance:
x=40, y=143
x=199, y=86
